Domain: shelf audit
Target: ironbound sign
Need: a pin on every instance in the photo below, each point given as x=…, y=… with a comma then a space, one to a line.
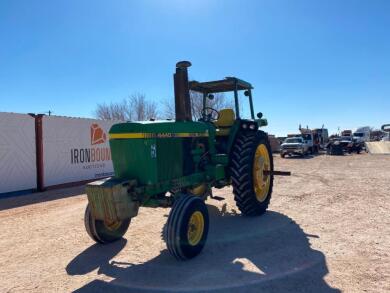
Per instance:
x=75, y=149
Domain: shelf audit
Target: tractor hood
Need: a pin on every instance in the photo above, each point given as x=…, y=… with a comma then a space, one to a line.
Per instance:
x=158, y=129
x=153, y=151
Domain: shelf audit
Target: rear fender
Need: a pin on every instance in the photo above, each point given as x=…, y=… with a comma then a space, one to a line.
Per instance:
x=238, y=127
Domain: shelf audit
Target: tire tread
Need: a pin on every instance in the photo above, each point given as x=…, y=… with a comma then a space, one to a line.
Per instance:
x=241, y=173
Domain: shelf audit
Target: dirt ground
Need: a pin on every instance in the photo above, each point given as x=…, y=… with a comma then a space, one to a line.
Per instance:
x=327, y=230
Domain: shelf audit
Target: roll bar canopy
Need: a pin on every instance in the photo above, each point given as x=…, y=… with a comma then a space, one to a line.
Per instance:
x=228, y=84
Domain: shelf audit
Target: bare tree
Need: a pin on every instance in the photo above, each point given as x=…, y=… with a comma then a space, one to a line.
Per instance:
x=168, y=106
x=140, y=109
x=112, y=111
x=135, y=108
x=219, y=102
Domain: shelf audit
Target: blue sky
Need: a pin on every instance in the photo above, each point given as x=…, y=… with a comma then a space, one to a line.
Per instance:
x=311, y=62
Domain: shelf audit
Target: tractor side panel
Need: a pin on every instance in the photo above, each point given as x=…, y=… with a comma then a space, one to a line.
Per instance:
x=135, y=159
x=169, y=158
x=149, y=161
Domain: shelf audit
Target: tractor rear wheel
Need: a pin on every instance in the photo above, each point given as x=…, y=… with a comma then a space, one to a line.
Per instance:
x=251, y=160
x=187, y=227
x=103, y=232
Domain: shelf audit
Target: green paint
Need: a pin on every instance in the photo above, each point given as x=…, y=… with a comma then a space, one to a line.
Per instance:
x=161, y=156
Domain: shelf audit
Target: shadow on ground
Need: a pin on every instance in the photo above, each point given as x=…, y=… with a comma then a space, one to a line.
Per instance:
x=297, y=157
x=33, y=198
x=269, y=253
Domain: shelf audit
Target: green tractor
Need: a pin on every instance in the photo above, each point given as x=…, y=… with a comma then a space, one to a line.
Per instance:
x=177, y=163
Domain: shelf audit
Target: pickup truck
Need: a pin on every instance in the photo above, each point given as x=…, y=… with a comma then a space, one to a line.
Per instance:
x=294, y=146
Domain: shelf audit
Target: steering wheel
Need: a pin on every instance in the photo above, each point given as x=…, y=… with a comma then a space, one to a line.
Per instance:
x=210, y=114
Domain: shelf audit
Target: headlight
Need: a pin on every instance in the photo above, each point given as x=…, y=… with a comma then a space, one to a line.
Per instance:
x=252, y=126
x=245, y=126
x=336, y=142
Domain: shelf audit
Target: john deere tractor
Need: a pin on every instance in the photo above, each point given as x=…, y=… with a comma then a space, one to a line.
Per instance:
x=177, y=163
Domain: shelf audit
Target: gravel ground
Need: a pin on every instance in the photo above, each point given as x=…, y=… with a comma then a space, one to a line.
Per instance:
x=327, y=230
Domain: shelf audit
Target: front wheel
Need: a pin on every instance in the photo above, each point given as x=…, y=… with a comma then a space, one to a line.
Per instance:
x=251, y=171
x=187, y=227
x=102, y=231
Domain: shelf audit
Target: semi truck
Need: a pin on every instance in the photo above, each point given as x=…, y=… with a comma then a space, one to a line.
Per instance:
x=362, y=134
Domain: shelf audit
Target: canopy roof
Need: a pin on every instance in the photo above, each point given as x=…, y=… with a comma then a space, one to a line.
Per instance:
x=225, y=85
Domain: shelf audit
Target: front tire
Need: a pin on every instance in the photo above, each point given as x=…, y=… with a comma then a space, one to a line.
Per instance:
x=187, y=227
x=252, y=189
x=103, y=232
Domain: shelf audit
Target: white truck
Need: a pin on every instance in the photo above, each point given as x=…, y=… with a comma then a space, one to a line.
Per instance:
x=294, y=146
x=362, y=134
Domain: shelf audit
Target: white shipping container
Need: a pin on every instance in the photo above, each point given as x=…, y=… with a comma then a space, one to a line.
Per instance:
x=17, y=152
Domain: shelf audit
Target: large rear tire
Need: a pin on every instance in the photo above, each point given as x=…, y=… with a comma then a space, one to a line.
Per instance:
x=103, y=232
x=252, y=188
x=187, y=227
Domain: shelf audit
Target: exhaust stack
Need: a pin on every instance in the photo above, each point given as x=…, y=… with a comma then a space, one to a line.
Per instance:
x=182, y=92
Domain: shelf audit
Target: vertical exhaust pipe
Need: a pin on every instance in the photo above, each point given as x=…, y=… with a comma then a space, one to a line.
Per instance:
x=182, y=92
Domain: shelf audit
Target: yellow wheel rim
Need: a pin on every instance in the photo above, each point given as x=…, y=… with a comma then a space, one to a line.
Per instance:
x=195, y=228
x=113, y=226
x=261, y=163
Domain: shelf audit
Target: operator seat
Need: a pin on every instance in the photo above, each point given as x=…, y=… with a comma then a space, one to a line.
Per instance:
x=225, y=121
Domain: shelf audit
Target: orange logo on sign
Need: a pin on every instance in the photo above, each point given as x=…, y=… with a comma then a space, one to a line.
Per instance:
x=97, y=134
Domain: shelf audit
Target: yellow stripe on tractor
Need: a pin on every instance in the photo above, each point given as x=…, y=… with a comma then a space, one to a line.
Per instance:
x=157, y=135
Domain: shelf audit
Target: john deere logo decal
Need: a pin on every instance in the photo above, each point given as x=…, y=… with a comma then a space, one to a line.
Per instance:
x=98, y=135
